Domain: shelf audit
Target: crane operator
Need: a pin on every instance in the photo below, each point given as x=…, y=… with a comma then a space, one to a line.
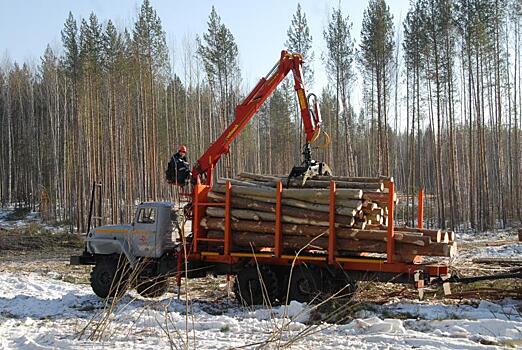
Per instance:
x=178, y=169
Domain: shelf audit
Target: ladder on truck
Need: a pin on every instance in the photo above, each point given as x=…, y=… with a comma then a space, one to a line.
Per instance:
x=97, y=217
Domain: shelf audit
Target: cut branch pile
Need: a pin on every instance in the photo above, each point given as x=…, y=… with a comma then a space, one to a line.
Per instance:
x=360, y=217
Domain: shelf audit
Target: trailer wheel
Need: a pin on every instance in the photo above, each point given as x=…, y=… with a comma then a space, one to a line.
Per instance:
x=153, y=287
x=109, y=276
x=341, y=287
x=305, y=283
x=253, y=287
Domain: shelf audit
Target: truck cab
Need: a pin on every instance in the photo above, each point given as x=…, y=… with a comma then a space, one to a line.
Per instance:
x=150, y=235
x=145, y=249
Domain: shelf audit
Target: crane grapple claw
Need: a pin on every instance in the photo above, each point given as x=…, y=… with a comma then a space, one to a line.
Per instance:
x=305, y=172
x=308, y=169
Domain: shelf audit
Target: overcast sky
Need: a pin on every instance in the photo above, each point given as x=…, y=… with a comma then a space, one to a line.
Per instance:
x=259, y=27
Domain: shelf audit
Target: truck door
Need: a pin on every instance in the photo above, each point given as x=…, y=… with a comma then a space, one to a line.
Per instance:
x=144, y=232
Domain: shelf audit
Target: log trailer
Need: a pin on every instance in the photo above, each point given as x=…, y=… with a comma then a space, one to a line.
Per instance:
x=155, y=246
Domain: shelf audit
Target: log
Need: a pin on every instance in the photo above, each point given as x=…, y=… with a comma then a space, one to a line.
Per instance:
x=312, y=231
x=318, y=182
x=244, y=203
x=250, y=183
x=369, y=207
x=353, y=179
x=305, y=194
x=374, y=217
x=304, y=205
x=248, y=239
x=340, y=208
x=406, y=237
x=499, y=261
x=360, y=224
x=264, y=216
x=378, y=211
x=339, y=184
x=260, y=240
x=259, y=177
x=404, y=258
x=235, y=182
x=435, y=235
x=380, y=198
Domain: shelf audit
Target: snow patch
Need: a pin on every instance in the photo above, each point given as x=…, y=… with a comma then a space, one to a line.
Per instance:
x=39, y=312
x=509, y=251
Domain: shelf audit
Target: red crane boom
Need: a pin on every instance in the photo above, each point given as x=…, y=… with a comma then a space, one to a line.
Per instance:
x=251, y=104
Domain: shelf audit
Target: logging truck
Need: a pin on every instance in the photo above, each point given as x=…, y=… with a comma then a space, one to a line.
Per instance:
x=296, y=237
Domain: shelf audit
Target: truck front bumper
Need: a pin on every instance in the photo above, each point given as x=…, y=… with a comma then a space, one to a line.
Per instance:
x=84, y=259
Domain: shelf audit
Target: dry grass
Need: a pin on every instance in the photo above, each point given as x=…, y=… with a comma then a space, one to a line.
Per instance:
x=35, y=237
x=35, y=249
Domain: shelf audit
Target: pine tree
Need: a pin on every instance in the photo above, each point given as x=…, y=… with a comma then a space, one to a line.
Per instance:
x=70, y=44
x=376, y=57
x=113, y=47
x=413, y=46
x=91, y=43
x=149, y=41
x=218, y=51
x=338, y=62
x=300, y=41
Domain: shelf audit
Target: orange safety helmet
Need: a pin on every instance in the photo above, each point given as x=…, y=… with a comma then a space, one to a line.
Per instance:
x=182, y=148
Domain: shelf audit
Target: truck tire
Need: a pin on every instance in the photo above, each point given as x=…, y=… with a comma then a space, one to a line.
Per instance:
x=342, y=286
x=249, y=290
x=305, y=283
x=153, y=288
x=108, y=278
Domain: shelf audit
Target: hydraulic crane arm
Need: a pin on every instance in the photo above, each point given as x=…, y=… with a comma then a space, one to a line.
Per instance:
x=251, y=104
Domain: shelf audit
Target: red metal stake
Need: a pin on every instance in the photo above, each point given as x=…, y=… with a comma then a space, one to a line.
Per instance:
x=227, y=219
x=331, y=232
x=278, y=237
x=195, y=219
x=390, y=246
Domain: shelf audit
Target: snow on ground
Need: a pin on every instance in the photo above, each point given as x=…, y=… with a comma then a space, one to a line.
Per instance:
x=508, y=251
x=471, y=236
x=4, y=213
x=32, y=218
x=489, y=244
x=41, y=313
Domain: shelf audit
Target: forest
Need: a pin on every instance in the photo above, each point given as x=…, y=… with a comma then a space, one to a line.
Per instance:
x=440, y=109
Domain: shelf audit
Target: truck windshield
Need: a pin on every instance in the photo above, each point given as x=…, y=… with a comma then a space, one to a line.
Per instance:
x=147, y=216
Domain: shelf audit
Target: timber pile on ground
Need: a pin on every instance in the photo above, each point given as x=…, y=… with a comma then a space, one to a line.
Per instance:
x=361, y=211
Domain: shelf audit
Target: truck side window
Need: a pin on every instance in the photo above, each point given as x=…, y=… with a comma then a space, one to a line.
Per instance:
x=147, y=216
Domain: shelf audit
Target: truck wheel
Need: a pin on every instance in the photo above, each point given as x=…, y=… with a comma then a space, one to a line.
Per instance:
x=153, y=288
x=249, y=289
x=344, y=287
x=107, y=278
x=305, y=284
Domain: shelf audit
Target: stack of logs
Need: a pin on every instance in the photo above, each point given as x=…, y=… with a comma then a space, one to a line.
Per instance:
x=361, y=208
